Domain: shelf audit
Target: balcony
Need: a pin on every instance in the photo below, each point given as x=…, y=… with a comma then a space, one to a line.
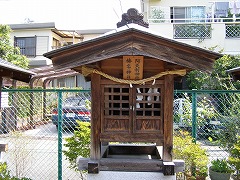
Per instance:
x=223, y=33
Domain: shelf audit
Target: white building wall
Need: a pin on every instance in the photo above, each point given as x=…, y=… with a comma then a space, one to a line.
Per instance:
x=217, y=40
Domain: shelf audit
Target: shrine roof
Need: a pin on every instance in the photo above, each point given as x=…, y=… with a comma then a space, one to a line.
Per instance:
x=132, y=39
x=12, y=71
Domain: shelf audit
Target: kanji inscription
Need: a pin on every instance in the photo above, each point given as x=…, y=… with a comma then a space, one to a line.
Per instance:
x=133, y=67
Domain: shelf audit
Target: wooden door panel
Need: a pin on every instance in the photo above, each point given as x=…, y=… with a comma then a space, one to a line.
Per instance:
x=147, y=125
x=116, y=125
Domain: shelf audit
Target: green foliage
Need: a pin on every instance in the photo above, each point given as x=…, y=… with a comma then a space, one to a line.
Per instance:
x=229, y=117
x=234, y=158
x=5, y=174
x=205, y=110
x=221, y=166
x=219, y=79
x=78, y=144
x=157, y=14
x=8, y=51
x=195, y=157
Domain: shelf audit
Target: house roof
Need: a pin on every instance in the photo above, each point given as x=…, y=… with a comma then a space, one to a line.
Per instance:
x=50, y=25
x=12, y=71
x=235, y=72
x=132, y=39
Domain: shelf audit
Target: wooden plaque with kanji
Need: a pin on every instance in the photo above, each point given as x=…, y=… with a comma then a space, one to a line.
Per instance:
x=133, y=67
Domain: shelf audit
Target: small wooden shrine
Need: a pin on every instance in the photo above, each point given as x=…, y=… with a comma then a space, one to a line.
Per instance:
x=132, y=72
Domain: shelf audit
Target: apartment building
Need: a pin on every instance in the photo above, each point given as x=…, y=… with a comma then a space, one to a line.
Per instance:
x=207, y=24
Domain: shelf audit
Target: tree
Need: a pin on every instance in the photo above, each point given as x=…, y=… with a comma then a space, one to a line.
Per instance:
x=219, y=79
x=8, y=51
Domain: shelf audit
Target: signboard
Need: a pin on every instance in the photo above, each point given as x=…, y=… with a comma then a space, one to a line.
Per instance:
x=133, y=67
x=4, y=99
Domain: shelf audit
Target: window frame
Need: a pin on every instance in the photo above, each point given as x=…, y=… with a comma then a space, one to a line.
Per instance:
x=188, y=12
x=25, y=48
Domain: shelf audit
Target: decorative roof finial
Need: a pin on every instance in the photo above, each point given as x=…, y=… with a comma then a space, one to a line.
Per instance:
x=132, y=16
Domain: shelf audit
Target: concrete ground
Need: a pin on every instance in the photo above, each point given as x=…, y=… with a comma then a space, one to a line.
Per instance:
x=117, y=175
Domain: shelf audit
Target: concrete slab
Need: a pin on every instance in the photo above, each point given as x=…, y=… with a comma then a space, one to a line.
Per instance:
x=118, y=175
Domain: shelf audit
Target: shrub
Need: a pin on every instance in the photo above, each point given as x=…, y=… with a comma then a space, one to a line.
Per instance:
x=78, y=144
x=234, y=158
x=5, y=174
x=195, y=157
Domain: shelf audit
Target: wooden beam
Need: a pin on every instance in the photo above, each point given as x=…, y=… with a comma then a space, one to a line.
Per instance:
x=125, y=137
x=168, y=117
x=120, y=164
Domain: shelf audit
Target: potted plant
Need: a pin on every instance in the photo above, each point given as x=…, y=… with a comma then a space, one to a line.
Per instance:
x=220, y=170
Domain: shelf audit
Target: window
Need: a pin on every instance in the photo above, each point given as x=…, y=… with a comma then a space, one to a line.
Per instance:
x=221, y=9
x=27, y=45
x=187, y=14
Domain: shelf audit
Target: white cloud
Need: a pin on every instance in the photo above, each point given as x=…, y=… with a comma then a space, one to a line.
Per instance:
x=67, y=14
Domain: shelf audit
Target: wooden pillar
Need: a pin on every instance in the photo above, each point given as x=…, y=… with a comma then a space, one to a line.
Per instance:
x=168, y=117
x=14, y=105
x=95, y=153
x=45, y=82
x=1, y=83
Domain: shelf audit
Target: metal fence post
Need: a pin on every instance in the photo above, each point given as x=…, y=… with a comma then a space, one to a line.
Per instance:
x=194, y=115
x=59, y=135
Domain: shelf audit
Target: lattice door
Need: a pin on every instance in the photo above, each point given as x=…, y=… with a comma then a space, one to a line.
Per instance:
x=131, y=110
x=147, y=116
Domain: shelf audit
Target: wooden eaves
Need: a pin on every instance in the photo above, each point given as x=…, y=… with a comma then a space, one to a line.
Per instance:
x=12, y=71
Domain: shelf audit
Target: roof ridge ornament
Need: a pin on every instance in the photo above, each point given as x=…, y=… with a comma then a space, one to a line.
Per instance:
x=132, y=16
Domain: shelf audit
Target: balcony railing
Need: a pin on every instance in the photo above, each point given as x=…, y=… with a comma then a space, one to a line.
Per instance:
x=200, y=28
x=192, y=31
x=232, y=30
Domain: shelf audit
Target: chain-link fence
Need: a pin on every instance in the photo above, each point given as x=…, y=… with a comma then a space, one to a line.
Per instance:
x=35, y=138
x=206, y=127
x=212, y=118
x=30, y=128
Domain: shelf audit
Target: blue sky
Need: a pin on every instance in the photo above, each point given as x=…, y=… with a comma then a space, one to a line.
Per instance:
x=67, y=14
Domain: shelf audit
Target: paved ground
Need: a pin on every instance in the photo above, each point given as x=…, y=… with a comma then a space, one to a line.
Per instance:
x=34, y=154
